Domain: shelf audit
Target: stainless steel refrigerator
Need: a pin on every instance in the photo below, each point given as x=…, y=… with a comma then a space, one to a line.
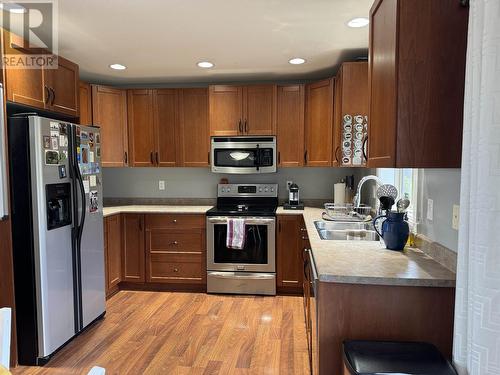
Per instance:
x=57, y=232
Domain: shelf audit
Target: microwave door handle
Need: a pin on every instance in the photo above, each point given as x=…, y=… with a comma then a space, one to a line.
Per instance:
x=257, y=158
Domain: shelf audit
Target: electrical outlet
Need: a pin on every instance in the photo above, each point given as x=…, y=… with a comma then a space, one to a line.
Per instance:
x=430, y=209
x=455, y=221
x=288, y=183
x=161, y=185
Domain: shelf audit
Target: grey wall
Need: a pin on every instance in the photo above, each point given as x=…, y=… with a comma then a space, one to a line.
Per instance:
x=314, y=183
x=443, y=187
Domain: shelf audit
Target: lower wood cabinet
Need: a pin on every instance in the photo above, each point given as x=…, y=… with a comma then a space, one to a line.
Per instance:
x=175, y=249
x=113, y=252
x=133, y=269
x=289, y=240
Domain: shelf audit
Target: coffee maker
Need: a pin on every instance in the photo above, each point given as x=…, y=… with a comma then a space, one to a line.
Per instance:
x=293, y=198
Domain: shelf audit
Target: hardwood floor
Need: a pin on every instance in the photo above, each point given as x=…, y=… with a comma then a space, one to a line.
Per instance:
x=189, y=333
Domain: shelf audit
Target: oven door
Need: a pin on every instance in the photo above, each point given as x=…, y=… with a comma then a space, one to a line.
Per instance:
x=258, y=254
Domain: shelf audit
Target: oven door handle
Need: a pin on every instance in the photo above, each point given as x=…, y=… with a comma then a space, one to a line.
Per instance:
x=234, y=275
x=249, y=220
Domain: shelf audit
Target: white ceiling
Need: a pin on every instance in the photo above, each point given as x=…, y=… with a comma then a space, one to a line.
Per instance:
x=160, y=41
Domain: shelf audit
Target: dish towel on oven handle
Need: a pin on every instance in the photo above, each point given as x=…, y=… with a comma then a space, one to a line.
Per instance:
x=235, y=234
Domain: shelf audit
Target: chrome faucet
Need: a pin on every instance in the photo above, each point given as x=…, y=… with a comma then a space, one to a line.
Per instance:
x=357, y=198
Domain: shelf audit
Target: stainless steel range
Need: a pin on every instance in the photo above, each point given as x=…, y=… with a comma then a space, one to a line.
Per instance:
x=252, y=269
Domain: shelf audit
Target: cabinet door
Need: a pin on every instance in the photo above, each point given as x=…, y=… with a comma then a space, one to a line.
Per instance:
x=259, y=107
x=289, y=255
x=109, y=111
x=225, y=110
x=166, y=123
x=85, y=98
x=133, y=264
x=351, y=98
x=113, y=245
x=63, y=83
x=194, y=133
x=290, y=125
x=24, y=86
x=382, y=85
x=319, y=123
x=141, y=138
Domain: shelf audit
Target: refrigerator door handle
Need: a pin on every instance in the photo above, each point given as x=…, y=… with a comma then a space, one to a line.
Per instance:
x=4, y=197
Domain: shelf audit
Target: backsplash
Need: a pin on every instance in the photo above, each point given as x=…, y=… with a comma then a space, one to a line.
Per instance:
x=314, y=183
x=443, y=187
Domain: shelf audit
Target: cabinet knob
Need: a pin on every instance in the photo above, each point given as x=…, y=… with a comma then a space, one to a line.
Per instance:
x=175, y=243
x=174, y=221
x=176, y=269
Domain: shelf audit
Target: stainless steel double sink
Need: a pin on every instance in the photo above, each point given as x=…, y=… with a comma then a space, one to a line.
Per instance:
x=352, y=231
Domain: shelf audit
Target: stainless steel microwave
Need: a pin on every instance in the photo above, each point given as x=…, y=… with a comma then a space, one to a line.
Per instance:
x=243, y=155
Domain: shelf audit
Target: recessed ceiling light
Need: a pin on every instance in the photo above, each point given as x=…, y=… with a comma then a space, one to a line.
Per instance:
x=118, y=67
x=205, y=64
x=13, y=8
x=358, y=22
x=297, y=61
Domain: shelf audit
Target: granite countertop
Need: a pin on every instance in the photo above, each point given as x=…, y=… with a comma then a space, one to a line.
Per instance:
x=108, y=211
x=368, y=262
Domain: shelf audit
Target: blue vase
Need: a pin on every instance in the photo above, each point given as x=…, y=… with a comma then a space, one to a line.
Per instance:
x=395, y=230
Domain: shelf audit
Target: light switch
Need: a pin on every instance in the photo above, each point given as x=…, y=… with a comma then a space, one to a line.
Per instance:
x=161, y=185
x=455, y=221
x=430, y=209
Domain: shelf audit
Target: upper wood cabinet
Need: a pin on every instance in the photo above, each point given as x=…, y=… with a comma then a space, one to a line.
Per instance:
x=85, y=97
x=63, y=83
x=242, y=110
x=259, y=110
x=226, y=110
x=50, y=89
x=194, y=134
x=168, y=127
x=141, y=132
x=416, y=83
x=290, y=125
x=351, y=99
x=289, y=275
x=319, y=123
x=109, y=111
x=166, y=120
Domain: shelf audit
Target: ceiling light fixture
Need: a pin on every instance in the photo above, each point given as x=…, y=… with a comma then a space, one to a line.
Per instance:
x=118, y=67
x=358, y=22
x=205, y=64
x=297, y=61
x=13, y=8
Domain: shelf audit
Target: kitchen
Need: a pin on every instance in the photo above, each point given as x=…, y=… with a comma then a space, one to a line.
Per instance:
x=272, y=199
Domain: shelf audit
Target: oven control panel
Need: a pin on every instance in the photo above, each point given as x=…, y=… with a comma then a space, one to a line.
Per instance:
x=247, y=190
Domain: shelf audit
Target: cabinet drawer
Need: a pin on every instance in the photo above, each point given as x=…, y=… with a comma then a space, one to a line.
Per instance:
x=172, y=240
x=174, y=221
x=176, y=268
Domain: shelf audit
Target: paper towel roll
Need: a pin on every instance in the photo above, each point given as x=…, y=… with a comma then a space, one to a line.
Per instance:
x=339, y=193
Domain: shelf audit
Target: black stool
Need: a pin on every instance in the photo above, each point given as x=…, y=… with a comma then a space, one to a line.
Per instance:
x=389, y=357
